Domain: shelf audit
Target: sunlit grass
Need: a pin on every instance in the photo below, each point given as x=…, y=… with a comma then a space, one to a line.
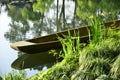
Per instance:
x=101, y=59
x=71, y=49
x=115, y=68
x=98, y=31
x=98, y=60
x=70, y=44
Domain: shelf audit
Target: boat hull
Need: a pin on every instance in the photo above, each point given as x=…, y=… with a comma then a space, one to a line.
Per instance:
x=45, y=43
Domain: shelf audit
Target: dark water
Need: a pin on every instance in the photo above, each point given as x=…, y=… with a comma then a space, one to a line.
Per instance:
x=20, y=21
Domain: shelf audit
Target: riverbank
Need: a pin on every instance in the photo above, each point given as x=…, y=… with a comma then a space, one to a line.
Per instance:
x=90, y=62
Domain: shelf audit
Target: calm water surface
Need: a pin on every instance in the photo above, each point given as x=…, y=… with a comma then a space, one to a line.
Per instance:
x=7, y=54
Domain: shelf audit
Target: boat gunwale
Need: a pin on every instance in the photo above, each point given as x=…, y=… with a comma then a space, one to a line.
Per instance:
x=59, y=34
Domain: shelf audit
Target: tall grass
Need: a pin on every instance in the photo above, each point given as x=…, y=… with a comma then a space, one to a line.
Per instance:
x=99, y=60
x=70, y=44
x=62, y=70
x=97, y=29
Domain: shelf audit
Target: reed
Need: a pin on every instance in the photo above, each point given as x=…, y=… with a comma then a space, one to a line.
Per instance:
x=97, y=29
x=70, y=44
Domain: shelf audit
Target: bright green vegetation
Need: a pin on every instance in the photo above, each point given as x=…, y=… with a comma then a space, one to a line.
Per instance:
x=98, y=60
x=15, y=75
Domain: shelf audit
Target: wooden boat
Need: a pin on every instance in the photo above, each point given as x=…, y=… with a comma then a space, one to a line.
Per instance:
x=34, y=60
x=45, y=43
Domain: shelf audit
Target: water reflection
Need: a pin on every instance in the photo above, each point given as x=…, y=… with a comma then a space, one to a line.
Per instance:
x=27, y=20
x=7, y=54
x=34, y=60
x=56, y=18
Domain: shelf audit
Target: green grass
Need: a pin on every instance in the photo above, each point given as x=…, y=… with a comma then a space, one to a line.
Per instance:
x=62, y=69
x=15, y=75
x=99, y=60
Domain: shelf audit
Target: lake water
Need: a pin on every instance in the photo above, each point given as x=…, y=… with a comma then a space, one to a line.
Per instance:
x=7, y=54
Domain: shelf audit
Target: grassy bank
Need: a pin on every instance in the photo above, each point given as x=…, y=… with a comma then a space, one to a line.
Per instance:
x=98, y=60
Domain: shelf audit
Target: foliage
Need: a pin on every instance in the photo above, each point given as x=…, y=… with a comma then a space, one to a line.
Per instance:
x=14, y=75
x=59, y=71
x=98, y=31
x=62, y=70
x=98, y=58
x=70, y=44
x=115, y=70
x=95, y=29
x=92, y=62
